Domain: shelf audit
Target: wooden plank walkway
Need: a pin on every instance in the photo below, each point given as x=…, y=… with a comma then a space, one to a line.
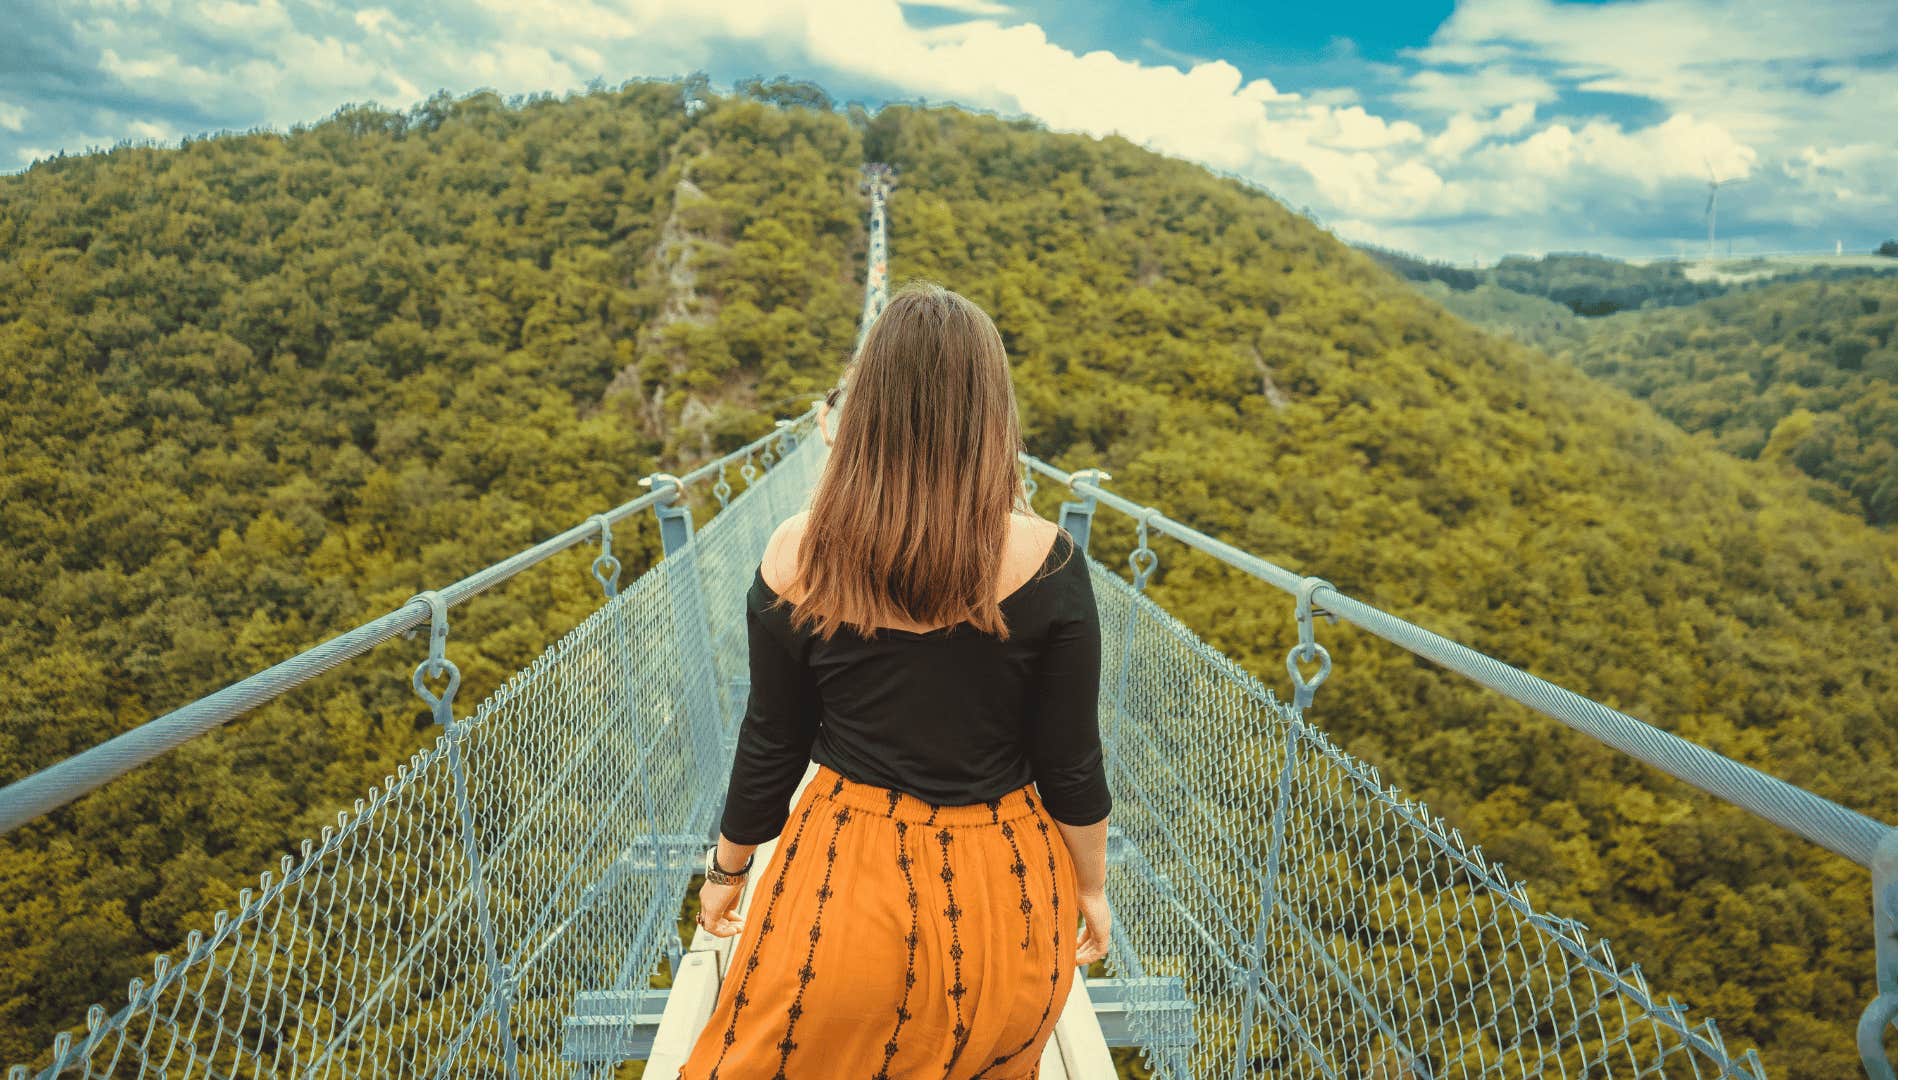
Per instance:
x=1077, y=1050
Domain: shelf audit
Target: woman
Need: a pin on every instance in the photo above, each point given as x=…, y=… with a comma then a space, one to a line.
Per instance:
x=934, y=645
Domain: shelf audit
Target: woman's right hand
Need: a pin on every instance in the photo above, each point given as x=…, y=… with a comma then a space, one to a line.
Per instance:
x=718, y=915
x=1097, y=932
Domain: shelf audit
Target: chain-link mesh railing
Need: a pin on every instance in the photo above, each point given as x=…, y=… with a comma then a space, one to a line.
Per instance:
x=539, y=850
x=1307, y=920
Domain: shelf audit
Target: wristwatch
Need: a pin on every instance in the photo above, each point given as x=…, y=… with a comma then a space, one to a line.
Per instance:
x=725, y=877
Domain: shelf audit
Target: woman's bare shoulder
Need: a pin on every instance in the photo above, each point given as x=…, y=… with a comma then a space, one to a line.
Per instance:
x=1030, y=539
x=780, y=566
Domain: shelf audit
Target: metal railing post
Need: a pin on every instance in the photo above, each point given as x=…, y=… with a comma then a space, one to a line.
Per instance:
x=1076, y=516
x=1882, y=1011
x=676, y=519
x=435, y=665
x=693, y=637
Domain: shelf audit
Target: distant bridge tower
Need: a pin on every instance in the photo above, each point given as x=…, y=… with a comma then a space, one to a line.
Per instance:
x=876, y=181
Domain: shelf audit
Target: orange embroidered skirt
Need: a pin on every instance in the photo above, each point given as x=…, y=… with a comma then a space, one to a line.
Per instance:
x=898, y=940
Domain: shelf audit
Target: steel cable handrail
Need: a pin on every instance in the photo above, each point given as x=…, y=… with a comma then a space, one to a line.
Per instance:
x=1845, y=832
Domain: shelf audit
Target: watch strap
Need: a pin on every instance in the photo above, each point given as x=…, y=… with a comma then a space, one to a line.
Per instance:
x=719, y=876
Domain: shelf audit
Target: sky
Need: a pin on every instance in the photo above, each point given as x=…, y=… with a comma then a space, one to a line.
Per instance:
x=1460, y=132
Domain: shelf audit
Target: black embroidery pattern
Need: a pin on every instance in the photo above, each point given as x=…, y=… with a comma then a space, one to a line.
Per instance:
x=1019, y=868
x=766, y=924
x=959, y=988
x=806, y=971
x=913, y=951
x=1047, y=1019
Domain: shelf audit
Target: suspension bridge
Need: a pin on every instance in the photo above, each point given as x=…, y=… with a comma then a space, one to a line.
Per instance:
x=508, y=901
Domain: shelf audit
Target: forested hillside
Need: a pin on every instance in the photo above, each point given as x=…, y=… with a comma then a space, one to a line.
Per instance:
x=1800, y=373
x=1592, y=286
x=1531, y=320
x=263, y=387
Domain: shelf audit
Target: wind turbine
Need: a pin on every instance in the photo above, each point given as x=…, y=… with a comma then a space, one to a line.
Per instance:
x=1714, y=184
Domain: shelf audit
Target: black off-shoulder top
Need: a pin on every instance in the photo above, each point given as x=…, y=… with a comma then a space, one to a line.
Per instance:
x=950, y=716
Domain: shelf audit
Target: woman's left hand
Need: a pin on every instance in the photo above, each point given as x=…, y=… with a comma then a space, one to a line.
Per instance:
x=717, y=915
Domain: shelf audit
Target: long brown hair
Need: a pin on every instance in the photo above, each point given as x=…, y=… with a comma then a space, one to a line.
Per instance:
x=912, y=511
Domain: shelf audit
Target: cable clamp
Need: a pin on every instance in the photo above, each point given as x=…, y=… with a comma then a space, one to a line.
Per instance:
x=606, y=568
x=1142, y=558
x=436, y=664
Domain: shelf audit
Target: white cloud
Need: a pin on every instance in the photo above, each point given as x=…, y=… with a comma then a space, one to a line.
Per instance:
x=1331, y=95
x=556, y=19
x=1464, y=131
x=1742, y=65
x=515, y=67
x=1475, y=91
x=244, y=17
x=1490, y=134
x=166, y=73
x=964, y=7
x=1675, y=148
x=1187, y=58
x=381, y=26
